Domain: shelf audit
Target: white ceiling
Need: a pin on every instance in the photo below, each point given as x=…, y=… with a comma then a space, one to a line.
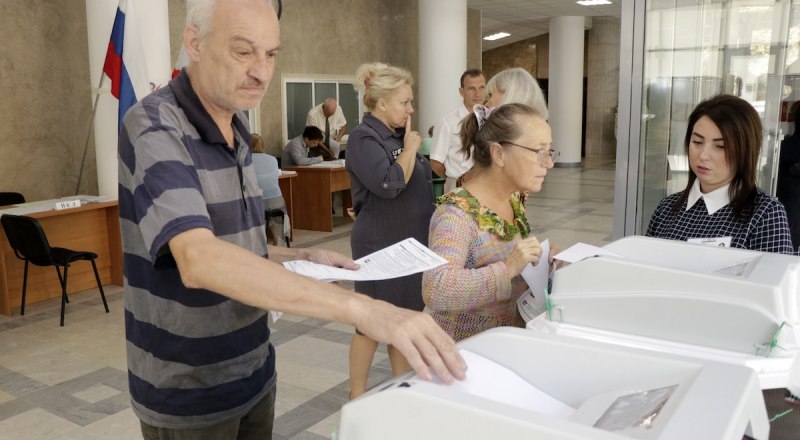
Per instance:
x=528, y=18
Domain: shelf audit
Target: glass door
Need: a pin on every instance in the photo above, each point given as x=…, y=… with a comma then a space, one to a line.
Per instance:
x=695, y=49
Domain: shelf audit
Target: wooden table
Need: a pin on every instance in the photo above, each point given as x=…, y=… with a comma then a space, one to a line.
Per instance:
x=312, y=195
x=287, y=191
x=92, y=227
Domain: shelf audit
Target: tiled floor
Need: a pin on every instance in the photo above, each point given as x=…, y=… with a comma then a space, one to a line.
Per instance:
x=70, y=383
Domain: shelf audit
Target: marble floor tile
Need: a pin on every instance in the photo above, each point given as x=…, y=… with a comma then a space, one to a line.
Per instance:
x=302, y=374
x=35, y=424
x=123, y=425
x=564, y=238
x=327, y=427
x=291, y=396
x=589, y=223
x=96, y=393
x=5, y=397
x=317, y=352
x=52, y=365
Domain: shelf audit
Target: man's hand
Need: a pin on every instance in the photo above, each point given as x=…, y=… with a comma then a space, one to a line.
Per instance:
x=426, y=347
x=330, y=258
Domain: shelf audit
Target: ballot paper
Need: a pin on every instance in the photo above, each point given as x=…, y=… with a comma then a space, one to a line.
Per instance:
x=531, y=304
x=398, y=260
x=490, y=380
x=582, y=251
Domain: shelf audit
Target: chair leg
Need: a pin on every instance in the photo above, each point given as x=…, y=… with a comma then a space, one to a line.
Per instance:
x=24, y=289
x=62, y=281
x=99, y=285
x=63, y=292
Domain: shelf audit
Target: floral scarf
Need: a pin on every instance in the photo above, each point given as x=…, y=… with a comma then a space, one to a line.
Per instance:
x=487, y=219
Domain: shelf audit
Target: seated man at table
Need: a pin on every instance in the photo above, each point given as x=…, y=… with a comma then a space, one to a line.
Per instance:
x=297, y=151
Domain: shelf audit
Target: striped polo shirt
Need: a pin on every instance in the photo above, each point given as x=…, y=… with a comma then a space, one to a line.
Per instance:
x=195, y=358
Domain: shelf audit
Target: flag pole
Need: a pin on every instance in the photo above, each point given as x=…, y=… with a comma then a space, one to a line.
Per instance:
x=89, y=131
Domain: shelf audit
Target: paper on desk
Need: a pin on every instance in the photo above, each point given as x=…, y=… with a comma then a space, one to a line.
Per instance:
x=336, y=163
x=531, y=303
x=582, y=251
x=490, y=380
x=398, y=260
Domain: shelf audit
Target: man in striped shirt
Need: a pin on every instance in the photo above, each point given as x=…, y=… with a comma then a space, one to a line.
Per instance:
x=197, y=278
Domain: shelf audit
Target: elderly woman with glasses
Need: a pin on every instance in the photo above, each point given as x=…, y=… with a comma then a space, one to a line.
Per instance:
x=481, y=228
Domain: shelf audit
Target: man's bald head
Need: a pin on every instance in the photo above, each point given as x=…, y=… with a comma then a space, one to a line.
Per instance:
x=329, y=107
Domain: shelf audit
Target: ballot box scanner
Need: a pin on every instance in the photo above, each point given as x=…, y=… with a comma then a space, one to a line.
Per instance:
x=557, y=388
x=695, y=300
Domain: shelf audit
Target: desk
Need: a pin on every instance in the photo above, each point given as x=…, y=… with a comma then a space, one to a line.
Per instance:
x=312, y=195
x=287, y=191
x=92, y=227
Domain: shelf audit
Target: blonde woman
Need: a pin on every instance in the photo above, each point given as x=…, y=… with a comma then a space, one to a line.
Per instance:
x=392, y=197
x=516, y=85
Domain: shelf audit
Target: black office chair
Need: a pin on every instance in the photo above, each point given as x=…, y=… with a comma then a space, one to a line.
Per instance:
x=11, y=198
x=30, y=244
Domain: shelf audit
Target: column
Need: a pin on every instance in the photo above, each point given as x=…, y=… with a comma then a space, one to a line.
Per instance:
x=565, y=94
x=153, y=19
x=442, y=58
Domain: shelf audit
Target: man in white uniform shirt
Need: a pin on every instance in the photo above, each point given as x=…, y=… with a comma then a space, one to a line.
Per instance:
x=329, y=118
x=447, y=160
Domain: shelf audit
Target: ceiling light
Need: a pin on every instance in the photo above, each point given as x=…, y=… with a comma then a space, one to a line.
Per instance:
x=496, y=36
x=593, y=2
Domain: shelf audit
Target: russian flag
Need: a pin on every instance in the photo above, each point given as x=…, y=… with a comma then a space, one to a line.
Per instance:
x=125, y=63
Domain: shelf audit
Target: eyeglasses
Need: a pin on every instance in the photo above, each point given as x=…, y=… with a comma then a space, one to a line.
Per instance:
x=541, y=154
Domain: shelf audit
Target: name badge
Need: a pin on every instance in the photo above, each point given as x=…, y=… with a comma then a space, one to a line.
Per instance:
x=718, y=241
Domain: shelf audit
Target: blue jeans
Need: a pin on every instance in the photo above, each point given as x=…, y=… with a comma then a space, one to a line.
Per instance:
x=255, y=425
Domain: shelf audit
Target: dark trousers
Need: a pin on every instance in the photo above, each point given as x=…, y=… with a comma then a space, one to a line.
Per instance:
x=255, y=425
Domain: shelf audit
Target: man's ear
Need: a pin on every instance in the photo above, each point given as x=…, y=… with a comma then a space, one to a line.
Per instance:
x=191, y=41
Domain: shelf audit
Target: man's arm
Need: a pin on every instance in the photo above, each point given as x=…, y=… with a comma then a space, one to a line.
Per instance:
x=440, y=144
x=310, y=117
x=334, y=149
x=342, y=121
x=438, y=168
x=331, y=151
x=206, y=262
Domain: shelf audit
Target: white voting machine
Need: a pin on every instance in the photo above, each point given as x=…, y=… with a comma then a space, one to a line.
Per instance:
x=693, y=300
x=523, y=384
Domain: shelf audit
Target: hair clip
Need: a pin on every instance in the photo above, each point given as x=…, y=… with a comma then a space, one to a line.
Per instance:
x=482, y=114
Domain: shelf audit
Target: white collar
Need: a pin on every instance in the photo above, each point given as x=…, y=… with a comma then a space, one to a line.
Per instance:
x=463, y=111
x=715, y=200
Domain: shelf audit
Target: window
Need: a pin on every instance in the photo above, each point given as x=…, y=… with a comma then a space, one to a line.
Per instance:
x=301, y=93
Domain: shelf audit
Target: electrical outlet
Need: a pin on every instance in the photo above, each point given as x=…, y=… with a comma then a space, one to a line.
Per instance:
x=66, y=204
